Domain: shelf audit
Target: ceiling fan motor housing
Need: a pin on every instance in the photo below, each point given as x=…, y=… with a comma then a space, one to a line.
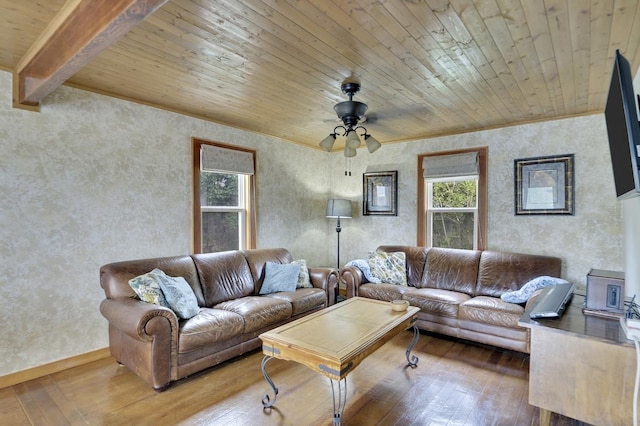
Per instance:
x=350, y=112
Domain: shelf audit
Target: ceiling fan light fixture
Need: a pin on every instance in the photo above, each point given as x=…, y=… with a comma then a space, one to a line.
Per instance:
x=327, y=143
x=350, y=113
x=372, y=143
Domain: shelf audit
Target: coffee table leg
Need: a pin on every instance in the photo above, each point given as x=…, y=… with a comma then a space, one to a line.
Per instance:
x=412, y=360
x=266, y=400
x=339, y=399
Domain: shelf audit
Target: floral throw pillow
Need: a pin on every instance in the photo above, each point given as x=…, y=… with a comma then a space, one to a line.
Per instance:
x=148, y=289
x=303, y=277
x=389, y=267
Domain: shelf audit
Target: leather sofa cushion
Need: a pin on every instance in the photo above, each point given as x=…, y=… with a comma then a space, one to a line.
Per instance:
x=382, y=291
x=500, y=272
x=451, y=269
x=223, y=276
x=303, y=299
x=209, y=326
x=415, y=259
x=436, y=301
x=491, y=310
x=257, y=311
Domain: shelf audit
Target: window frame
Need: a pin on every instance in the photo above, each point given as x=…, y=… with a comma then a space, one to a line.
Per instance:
x=248, y=231
x=482, y=198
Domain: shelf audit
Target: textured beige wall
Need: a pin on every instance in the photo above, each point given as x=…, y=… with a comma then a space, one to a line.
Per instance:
x=92, y=179
x=590, y=239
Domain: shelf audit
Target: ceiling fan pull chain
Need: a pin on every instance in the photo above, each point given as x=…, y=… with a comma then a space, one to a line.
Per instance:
x=347, y=166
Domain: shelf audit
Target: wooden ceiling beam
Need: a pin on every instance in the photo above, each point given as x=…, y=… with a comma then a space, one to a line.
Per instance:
x=81, y=30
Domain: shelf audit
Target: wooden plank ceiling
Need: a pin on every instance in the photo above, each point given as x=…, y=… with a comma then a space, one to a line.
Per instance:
x=426, y=67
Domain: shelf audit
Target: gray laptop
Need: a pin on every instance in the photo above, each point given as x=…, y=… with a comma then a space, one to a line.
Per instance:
x=552, y=301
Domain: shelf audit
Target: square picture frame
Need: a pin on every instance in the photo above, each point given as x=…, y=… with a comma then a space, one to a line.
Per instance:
x=380, y=190
x=545, y=185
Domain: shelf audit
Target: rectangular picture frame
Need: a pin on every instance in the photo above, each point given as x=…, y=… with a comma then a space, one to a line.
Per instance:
x=544, y=185
x=380, y=190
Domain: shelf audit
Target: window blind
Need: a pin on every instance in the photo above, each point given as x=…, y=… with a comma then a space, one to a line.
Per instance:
x=441, y=166
x=225, y=160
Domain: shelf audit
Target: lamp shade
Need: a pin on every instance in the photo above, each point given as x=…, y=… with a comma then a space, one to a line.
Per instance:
x=353, y=141
x=372, y=143
x=349, y=152
x=327, y=143
x=339, y=208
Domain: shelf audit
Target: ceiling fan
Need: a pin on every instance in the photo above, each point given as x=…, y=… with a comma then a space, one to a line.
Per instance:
x=350, y=113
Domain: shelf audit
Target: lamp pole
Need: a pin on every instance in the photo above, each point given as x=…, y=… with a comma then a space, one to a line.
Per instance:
x=338, y=229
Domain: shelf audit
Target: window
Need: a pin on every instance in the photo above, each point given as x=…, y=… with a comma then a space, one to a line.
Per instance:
x=452, y=212
x=452, y=197
x=223, y=197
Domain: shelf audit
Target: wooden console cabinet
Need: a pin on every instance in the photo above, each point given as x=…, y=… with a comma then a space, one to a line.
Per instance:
x=581, y=366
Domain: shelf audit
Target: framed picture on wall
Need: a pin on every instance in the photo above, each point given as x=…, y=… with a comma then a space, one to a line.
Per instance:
x=380, y=193
x=544, y=185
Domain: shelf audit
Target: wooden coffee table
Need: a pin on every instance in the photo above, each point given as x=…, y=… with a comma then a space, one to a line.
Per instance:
x=335, y=340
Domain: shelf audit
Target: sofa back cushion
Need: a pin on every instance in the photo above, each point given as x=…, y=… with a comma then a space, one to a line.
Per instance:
x=415, y=259
x=223, y=276
x=257, y=259
x=451, y=269
x=500, y=272
x=114, y=277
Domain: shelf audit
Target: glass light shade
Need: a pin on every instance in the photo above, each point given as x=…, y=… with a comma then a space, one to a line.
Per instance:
x=327, y=143
x=353, y=141
x=372, y=143
x=349, y=152
x=339, y=208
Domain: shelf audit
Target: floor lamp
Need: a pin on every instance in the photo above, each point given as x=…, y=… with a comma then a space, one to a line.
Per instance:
x=339, y=209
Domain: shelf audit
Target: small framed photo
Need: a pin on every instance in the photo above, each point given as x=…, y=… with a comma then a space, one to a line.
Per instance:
x=380, y=193
x=544, y=185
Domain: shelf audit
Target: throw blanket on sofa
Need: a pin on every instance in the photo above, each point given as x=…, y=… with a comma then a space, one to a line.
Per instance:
x=363, y=265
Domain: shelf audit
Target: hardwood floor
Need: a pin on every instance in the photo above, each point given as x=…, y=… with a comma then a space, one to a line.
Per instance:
x=455, y=383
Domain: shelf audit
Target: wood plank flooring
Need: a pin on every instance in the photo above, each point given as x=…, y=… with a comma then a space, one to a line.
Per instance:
x=455, y=383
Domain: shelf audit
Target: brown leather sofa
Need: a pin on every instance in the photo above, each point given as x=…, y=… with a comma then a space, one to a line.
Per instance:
x=458, y=291
x=160, y=348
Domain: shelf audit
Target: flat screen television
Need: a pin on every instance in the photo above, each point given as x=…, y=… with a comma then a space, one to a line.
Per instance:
x=623, y=129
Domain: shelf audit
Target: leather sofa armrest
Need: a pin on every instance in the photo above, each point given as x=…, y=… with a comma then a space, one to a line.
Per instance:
x=131, y=316
x=327, y=280
x=352, y=277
